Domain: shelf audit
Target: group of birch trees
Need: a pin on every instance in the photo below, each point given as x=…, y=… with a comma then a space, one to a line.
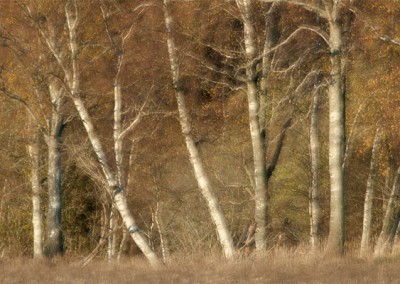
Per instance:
x=263, y=108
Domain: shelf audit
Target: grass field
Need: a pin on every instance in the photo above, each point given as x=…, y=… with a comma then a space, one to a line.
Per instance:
x=278, y=266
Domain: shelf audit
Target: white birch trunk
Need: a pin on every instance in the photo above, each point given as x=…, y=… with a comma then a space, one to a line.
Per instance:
x=369, y=194
x=257, y=92
x=117, y=192
x=118, y=161
x=125, y=234
x=55, y=239
x=33, y=150
x=203, y=181
x=315, y=207
x=270, y=40
x=164, y=243
x=261, y=203
x=117, y=134
x=388, y=185
x=110, y=246
x=335, y=243
x=381, y=244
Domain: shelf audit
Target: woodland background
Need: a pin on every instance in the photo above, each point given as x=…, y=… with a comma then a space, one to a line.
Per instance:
x=124, y=43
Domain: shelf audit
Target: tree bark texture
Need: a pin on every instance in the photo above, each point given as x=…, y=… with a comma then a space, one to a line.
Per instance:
x=55, y=239
x=335, y=243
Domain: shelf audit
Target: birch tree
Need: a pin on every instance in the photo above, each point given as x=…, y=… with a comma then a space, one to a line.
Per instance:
x=331, y=12
x=256, y=79
x=34, y=155
x=369, y=194
x=314, y=195
x=70, y=67
x=55, y=239
x=260, y=196
x=120, y=133
x=382, y=243
x=72, y=17
x=202, y=178
x=260, y=105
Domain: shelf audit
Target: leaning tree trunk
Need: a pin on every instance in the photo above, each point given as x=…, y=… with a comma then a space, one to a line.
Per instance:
x=55, y=240
x=381, y=244
x=335, y=243
x=33, y=149
x=369, y=194
x=314, y=198
x=203, y=181
x=117, y=192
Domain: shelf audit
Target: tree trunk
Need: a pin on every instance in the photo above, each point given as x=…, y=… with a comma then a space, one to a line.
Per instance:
x=33, y=149
x=388, y=184
x=369, y=194
x=271, y=38
x=125, y=234
x=164, y=243
x=111, y=234
x=118, y=160
x=394, y=229
x=315, y=207
x=381, y=244
x=335, y=243
x=203, y=181
x=261, y=203
x=117, y=192
x=55, y=239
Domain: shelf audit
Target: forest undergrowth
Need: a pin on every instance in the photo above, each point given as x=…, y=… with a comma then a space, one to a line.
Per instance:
x=277, y=266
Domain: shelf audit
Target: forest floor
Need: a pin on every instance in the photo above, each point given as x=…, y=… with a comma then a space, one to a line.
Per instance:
x=279, y=266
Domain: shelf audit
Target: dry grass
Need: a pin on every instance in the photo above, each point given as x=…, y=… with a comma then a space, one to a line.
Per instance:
x=278, y=266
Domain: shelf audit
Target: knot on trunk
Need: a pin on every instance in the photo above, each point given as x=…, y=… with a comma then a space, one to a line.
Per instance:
x=117, y=190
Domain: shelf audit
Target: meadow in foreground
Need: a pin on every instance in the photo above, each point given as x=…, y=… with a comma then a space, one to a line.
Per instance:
x=278, y=266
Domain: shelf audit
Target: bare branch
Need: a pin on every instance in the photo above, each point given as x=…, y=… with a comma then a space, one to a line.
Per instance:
x=137, y=119
x=293, y=34
x=45, y=37
x=320, y=12
x=389, y=40
x=279, y=146
x=365, y=20
x=361, y=107
x=21, y=100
